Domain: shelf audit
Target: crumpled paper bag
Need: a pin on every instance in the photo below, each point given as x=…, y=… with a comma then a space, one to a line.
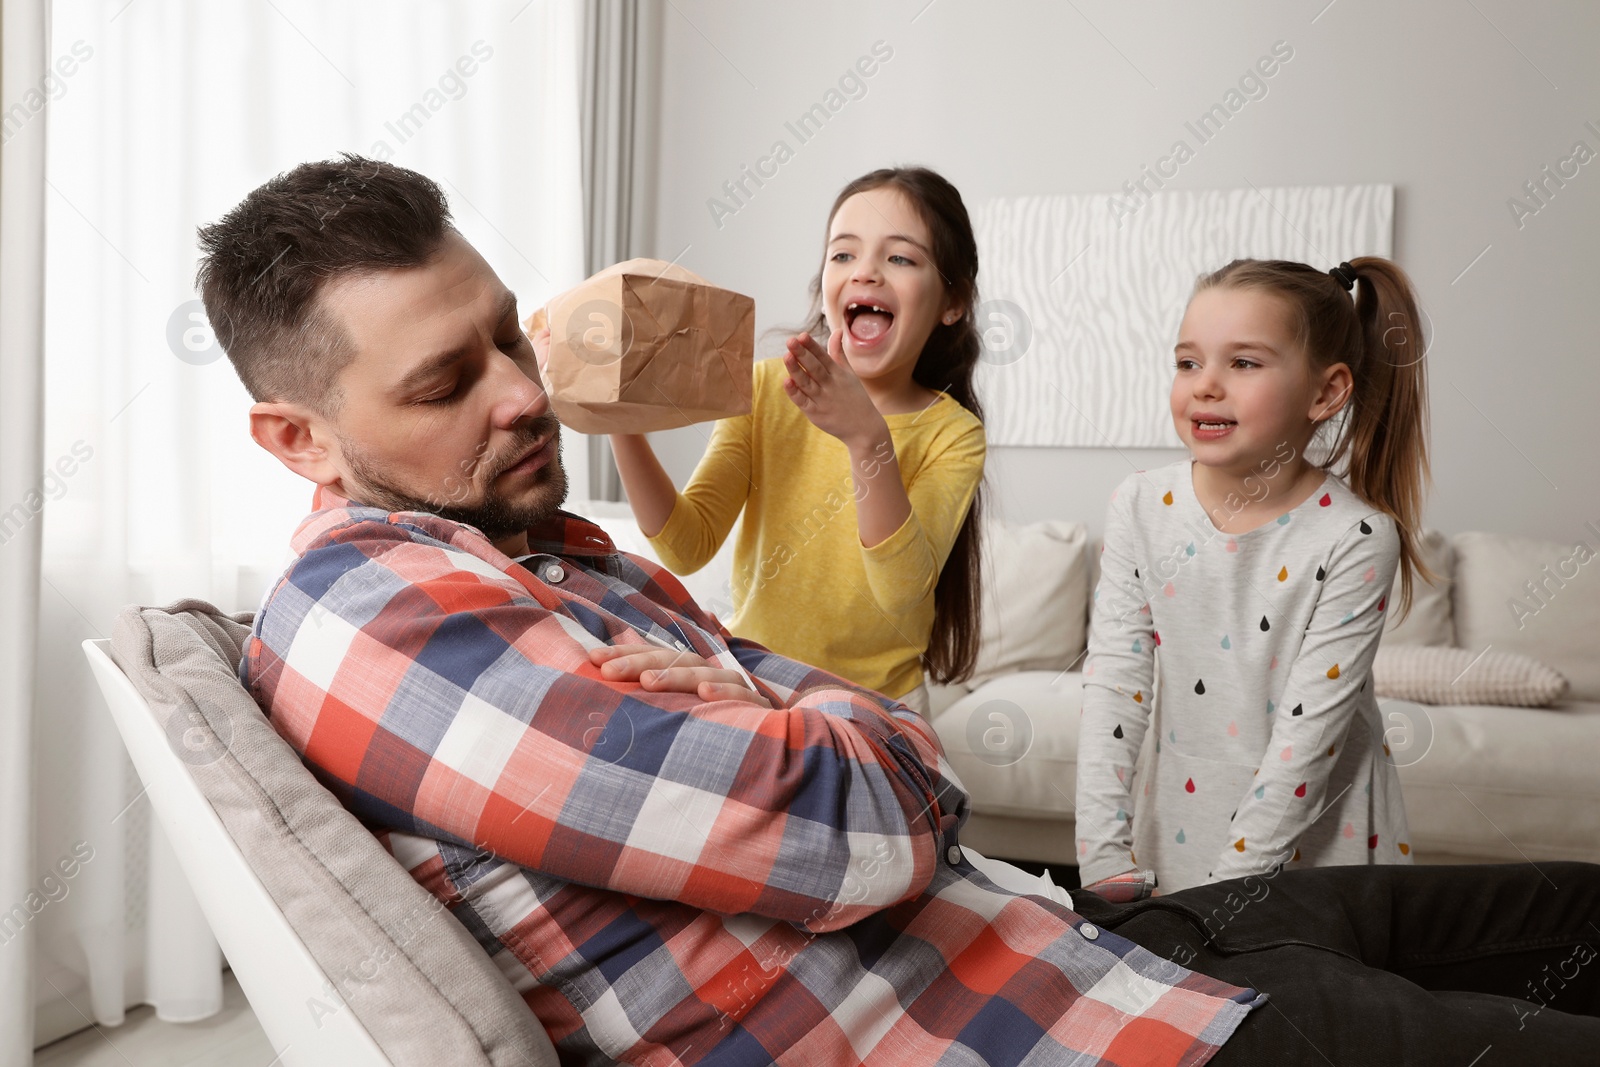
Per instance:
x=647, y=345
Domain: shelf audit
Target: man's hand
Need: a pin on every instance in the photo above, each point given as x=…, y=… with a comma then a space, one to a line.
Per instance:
x=662, y=670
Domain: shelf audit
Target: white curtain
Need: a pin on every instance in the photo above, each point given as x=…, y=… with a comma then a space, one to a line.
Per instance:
x=621, y=43
x=23, y=33
x=174, y=110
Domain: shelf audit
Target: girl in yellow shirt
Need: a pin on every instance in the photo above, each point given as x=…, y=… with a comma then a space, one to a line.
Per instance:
x=858, y=469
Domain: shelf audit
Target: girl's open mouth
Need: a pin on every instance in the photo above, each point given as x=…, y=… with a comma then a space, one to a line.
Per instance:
x=867, y=323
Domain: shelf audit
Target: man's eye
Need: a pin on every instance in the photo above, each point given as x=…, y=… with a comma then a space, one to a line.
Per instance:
x=443, y=398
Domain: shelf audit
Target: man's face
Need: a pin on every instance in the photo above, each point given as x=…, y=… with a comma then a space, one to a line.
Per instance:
x=443, y=410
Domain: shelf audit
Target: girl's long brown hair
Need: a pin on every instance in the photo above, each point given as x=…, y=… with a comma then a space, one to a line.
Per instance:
x=947, y=363
x=1382, y=437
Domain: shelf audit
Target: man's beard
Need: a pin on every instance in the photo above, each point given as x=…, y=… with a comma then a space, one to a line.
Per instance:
x=496, y=516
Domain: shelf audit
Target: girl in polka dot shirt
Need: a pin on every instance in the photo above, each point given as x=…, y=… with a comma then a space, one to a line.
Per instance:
x=1243, y=591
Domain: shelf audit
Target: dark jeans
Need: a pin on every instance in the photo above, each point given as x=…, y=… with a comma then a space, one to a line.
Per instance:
x=1457, y=966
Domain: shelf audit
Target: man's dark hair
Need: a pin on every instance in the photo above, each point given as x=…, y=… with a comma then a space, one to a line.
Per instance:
x=264, y=263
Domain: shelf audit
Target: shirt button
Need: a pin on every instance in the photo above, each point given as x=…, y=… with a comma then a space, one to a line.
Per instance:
x=554, y=573
x=1089, y=931
x=953, y=854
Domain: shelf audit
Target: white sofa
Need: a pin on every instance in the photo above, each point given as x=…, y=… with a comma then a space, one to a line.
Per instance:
x=1482, y=783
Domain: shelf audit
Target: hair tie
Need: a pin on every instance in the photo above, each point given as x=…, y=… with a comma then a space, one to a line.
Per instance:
x=1345, y=275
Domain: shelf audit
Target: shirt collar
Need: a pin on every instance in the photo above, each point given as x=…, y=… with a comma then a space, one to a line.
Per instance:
x=564, y=534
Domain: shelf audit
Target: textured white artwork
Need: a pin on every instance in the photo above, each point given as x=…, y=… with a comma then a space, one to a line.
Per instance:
x=1081, y=298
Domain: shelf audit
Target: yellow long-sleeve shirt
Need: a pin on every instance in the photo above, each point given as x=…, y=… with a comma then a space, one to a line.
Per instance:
x=803, y=585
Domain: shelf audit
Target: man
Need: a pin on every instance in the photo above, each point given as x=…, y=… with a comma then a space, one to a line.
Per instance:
x=681, y=847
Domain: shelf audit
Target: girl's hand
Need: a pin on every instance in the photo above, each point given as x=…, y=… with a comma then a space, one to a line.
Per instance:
x=662, y=670
x=827, y=391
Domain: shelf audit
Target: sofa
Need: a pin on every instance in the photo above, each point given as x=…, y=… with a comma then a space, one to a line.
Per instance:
x=1483, y=781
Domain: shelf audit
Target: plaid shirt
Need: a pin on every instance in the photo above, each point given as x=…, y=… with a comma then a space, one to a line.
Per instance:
x=668, y=881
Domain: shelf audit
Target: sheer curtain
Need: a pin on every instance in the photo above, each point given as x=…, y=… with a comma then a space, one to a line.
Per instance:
x=621, y=43
x=173, y=110
x=23, y=36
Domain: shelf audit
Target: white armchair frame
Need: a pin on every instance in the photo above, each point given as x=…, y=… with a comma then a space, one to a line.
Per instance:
x=270, y=961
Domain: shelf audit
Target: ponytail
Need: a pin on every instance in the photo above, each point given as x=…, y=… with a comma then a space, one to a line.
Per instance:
x=1381, y=436
x=1385, y=437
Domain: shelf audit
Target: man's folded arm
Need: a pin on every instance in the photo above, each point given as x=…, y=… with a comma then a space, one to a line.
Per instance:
x=788, y=681
x=457, y=704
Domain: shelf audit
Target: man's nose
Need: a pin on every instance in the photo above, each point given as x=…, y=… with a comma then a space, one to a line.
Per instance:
x=520, y=394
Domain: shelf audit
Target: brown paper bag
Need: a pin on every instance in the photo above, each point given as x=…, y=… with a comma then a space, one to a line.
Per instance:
x=646, y=345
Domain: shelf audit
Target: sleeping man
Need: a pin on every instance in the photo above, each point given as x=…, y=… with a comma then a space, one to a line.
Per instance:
x=682, y=848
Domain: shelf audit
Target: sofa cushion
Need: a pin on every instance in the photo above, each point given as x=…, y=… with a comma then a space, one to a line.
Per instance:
x=1505, y=784
x=1539, y=598
x=1013, y=742
x=436, y=998
x=1461, y=676
x=1035, y=598
x=1429, y=621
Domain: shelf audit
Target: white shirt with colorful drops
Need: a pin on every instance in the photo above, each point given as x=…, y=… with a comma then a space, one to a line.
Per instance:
x=1241, y=665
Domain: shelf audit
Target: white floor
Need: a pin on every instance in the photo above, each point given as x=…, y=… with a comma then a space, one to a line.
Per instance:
x=231, y=1038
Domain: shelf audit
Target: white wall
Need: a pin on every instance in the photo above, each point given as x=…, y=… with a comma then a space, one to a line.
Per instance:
x=1456, y=105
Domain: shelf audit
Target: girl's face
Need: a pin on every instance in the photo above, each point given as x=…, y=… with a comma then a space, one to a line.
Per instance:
x=880, y=285
x=1243, y=387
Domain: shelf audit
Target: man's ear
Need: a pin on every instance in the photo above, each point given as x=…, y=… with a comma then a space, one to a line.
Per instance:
x=1334, y=393
x=299, y=437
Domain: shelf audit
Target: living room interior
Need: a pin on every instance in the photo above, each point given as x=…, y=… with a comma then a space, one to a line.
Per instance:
x=713, y=135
